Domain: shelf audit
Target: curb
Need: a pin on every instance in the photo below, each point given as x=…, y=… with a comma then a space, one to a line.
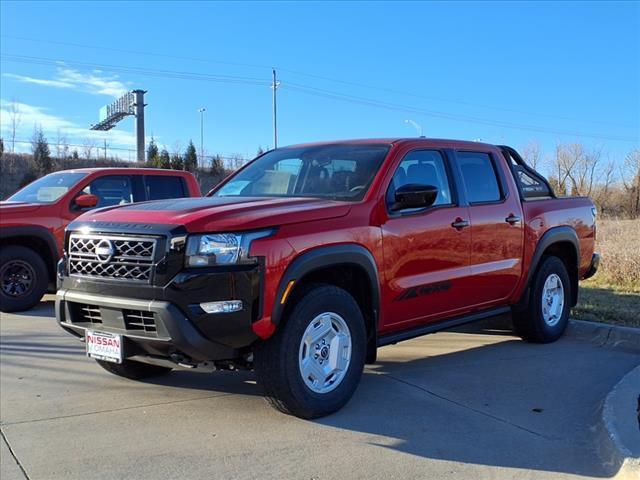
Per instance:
x=605, y=335
x=619, y=430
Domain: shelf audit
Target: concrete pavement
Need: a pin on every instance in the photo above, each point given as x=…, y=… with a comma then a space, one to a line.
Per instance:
x=449, y=405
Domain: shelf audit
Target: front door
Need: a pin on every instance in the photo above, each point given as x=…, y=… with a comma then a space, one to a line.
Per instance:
x=426, y=251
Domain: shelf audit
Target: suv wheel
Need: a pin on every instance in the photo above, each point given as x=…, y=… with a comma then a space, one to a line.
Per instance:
x=547, y=314
x=133, y=370
x=313, y=364
x=23, y=278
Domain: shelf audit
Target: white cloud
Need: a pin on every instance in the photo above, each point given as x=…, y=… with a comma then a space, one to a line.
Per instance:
x=95, y=82
x=52, y=125
x=40, y=81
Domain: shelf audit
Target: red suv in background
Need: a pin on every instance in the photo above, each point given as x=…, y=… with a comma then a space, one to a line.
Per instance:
x=32, y=220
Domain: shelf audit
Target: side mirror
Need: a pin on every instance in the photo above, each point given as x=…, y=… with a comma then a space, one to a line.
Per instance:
x=86, y=200
x=414, y=195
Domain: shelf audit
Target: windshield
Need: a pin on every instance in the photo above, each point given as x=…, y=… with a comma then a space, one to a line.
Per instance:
x=47, y=189
x=338, y=172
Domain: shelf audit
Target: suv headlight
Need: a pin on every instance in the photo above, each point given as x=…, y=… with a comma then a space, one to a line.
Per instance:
x=221, y=248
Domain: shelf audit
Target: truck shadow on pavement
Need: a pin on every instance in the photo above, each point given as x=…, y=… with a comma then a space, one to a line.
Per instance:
x=479, y=398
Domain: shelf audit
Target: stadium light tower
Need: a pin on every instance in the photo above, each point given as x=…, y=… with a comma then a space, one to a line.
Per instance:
x=131, y=103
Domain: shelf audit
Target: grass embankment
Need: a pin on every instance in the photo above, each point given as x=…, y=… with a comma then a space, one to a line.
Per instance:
x=613, y=294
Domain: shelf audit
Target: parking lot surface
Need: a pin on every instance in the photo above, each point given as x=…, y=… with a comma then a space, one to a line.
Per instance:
x=450, y=405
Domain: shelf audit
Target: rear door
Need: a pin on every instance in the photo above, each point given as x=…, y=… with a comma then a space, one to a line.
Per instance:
x=426, y=258
x=496, y=226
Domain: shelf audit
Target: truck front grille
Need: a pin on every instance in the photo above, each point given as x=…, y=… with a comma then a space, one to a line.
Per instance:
x=111, y=257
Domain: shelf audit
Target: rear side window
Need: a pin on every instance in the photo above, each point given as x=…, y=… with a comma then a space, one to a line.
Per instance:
x=160, y=187
x=479, y=176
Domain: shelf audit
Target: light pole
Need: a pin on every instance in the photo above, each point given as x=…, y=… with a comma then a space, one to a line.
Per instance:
x=274, y=85
x=416, y=125
x=202, y=110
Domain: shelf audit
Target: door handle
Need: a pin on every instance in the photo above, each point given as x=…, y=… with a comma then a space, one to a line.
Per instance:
x=512, y=219
x=459, y=223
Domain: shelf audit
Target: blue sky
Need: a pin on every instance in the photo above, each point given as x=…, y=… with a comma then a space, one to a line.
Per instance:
x=501, y=72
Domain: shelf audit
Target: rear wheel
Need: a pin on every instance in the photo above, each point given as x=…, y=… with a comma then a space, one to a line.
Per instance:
x=133, y=370
x=547, y=314
x=313, y=364
x=23, y=278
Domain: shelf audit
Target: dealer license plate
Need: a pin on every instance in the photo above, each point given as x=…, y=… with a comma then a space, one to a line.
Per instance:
x=104, y=346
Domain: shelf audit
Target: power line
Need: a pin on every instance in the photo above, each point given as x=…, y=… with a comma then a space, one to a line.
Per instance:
x=317, y=92
x=310, y=75
x=135, y=70
x=434, y=113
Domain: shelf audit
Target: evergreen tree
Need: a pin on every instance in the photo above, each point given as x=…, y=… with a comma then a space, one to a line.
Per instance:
x=164, y=160
x=217, y=166
x=75, y=155
x=1, y=147
x=190, y=158
x=176, y=162
x=41, y=152
x=152, y=153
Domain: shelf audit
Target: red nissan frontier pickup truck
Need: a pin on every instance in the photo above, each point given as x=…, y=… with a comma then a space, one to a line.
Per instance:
x=32, y=220
x=305, y=261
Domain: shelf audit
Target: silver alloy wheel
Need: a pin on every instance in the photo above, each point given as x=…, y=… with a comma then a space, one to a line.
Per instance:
x=552, y=300
x=325, y=352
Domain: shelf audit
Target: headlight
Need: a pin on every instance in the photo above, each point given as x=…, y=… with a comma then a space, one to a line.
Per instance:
x=221, y=248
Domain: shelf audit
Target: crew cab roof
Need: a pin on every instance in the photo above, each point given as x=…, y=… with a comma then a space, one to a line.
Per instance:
x=450, y=143
x=126, y=170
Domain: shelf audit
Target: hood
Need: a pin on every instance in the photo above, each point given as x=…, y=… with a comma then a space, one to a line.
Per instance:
x=9, y=207
x=210, y=214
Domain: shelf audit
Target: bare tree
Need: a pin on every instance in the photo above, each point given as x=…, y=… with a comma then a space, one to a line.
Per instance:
x=88, y=147
x=15, y=118
x=630, y=176
x=532, y=154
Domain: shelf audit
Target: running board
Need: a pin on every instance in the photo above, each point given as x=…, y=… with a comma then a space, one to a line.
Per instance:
x=436, y=327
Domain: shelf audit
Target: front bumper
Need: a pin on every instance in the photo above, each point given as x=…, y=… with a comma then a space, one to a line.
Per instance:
x=593, y=267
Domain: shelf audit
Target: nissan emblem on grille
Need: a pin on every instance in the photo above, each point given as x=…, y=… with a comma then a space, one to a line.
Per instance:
x=104, y=250
x=112, y=257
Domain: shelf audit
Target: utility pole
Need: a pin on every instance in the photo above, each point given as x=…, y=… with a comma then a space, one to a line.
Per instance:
x=275, y=86
x=105, y=148
x=139, y=113
x=202, y=110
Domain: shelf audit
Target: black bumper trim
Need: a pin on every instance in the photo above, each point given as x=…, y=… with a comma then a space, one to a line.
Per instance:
x=183, y=337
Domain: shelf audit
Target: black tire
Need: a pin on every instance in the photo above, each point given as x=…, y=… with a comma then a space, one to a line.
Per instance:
x=19, y=265
x=530, y=324
x=276, y=360
x=133, y=370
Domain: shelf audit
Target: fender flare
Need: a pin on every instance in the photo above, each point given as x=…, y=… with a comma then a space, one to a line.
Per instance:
x=41, y=233
x=328, y=256
x=554, y=235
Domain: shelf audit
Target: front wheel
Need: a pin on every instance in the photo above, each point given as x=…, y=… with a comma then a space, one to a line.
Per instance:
x=313, y=364
x=23, y=278
x=547, y=314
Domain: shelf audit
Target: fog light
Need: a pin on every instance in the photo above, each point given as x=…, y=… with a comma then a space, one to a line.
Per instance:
x=226, y=306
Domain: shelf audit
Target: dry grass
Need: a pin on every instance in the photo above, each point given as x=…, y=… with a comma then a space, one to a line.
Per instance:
x=613, y=294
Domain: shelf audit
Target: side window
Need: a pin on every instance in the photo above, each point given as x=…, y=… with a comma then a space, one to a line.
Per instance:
x=479, y=177
x=111, y=190
x=160, y=187
x=424, y=167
